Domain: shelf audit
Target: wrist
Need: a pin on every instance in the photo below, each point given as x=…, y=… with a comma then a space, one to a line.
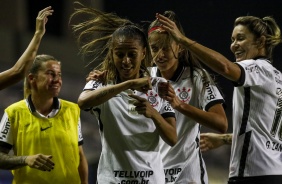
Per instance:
x=179, y=106
x=226, y=138
x=23, y=160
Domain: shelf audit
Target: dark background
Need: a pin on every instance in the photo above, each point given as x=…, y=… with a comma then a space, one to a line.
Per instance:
x=209, y=22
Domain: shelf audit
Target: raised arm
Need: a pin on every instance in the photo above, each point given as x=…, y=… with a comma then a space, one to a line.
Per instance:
x=91, y=98
x=209, y=57
x=21, y=67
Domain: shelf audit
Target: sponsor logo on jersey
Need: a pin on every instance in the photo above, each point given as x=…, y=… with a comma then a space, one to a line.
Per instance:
x=172, y=174
x=4, y=132
x=184, y=94
x=252, y=68
x=43, y=129
x=129, y=175
x=277, y=72
x=168, y=108
x=210, y=92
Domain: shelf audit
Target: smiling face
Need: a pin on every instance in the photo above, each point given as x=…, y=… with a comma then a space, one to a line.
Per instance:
x=128, y=54
x=244, y=45
x=164, y=51
x=48, y=80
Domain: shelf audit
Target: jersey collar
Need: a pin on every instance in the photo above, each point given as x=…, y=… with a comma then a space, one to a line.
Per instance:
x=56, y=103
x=263, y=58
x=177, y=74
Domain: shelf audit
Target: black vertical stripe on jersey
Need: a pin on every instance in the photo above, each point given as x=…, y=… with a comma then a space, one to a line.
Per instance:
x=242, y=131
x=200, y=159
x=99, y=118
x=202, y=168
x=244, y=154
x=246, y=110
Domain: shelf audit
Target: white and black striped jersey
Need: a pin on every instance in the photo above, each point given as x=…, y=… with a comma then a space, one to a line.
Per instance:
x=130, y=141
x=183, y=162
x=257, y=127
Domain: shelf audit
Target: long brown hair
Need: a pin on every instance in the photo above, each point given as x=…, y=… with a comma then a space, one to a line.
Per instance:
x=96, y=36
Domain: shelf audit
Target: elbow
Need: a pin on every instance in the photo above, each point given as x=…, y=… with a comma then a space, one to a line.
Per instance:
x=173, y=141
x=225, y=70
x=18, y=75
x=84, y=101
x=230, y=71
x=223, y=127
x=81, y=103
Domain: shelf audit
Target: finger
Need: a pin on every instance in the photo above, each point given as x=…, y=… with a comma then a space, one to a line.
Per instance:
x=45, y=12
x=149, y=87
x=140, y=110
x=38, y=164
x=45, y=164
x=98, y=72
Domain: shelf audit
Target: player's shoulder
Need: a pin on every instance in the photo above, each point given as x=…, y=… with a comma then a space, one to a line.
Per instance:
x=68, y=103
x=18, y=105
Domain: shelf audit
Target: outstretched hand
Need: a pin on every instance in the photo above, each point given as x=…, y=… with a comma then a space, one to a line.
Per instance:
x=141, y=84
x=42, y=19
x=40, y=162
x=209, y=141
x=142, y=106
x=97, y=75
x=171, y=96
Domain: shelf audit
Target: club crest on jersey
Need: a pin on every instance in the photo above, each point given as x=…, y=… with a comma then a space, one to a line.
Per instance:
x=184, y=94
x=95, y=84
x=152, y=98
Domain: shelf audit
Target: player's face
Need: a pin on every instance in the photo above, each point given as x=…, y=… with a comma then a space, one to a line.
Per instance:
x=128, y=54
x=48, y=80
x=164, y=51
x=243, y=43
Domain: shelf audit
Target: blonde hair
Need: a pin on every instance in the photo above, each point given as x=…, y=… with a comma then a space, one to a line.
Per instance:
x=262, y=27
x=35, y=67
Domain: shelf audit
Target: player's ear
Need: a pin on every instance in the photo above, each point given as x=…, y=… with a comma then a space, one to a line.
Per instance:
x=261, y=42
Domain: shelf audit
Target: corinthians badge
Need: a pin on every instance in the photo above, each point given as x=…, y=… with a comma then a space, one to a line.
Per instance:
x=183, y=94
x=152, y=98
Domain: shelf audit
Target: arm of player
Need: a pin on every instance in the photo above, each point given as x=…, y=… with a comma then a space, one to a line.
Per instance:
x=92, y=98
x=166, y=127
x=19, y=70
x=211, y=58
x=11, y=162
x=214, y=118
x=209, y=141
x=83, y=167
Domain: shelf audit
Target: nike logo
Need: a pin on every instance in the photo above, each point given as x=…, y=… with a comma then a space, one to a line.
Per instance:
x=43, y=129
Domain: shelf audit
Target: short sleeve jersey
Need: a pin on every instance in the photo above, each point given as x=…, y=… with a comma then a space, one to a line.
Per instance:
x=183, y=162
x=130, y=141
x=257, y=126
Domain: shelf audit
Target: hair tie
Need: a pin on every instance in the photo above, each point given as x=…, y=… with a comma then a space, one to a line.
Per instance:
x=154, y=28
